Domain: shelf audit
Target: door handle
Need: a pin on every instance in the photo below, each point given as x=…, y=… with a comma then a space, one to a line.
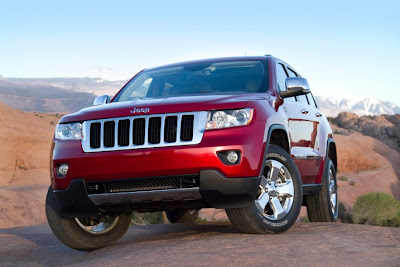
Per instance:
x=318, y=114
x=304, y=111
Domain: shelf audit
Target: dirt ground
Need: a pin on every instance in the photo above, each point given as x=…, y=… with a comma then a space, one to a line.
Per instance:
x=306, y=244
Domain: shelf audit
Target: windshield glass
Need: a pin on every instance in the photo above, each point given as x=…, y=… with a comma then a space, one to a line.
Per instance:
x=225, y=77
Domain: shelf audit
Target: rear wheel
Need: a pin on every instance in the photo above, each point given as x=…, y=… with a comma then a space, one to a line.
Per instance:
x=86, y=233
x=182, y=216
x=279, y=201
x=323, y=206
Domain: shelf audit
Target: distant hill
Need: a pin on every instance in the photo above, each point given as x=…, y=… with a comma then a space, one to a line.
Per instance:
x=385, y=128
x=96, y=86
x=332, y=106
x=54, y=95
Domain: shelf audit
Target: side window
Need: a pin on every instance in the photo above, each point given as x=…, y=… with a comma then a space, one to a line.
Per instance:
x=311, y=100
x=281, y=76
x=292, y=73
x=302, y=99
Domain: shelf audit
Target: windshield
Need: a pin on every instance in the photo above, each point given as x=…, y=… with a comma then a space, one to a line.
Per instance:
x=225, y=77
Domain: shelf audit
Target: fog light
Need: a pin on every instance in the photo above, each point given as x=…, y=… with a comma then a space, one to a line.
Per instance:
x=62, y=170
x=232, y=157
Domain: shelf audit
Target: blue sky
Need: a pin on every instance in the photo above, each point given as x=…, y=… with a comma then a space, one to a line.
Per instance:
x=342, y=47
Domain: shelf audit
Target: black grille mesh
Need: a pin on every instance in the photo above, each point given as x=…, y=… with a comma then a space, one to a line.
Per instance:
x=109, y=134
x=187, y=128
x=171, y=123
x=123, y=132
x=95, y=135
x=138, y=131
x=154, y=130
x=144, y=184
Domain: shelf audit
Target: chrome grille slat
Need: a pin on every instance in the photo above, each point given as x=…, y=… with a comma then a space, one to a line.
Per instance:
x=146, y=125
x=162, y=130
x=144, y=131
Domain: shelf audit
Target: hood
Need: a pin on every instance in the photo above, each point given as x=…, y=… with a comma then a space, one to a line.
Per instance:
x=164, y=105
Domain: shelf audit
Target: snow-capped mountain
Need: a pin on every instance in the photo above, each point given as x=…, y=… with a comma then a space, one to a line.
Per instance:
x=104, y=73
x=332, y=106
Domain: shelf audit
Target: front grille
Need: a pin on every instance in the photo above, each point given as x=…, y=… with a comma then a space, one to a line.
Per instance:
x=143, y=184
x=144, y=131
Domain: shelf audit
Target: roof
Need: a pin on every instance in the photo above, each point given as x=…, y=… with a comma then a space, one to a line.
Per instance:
x=242, y=58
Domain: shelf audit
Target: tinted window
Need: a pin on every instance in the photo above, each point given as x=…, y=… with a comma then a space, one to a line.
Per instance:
x=225, y=77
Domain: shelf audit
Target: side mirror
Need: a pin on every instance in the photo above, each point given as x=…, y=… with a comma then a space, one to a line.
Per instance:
x=295, y=86
x=101, y=100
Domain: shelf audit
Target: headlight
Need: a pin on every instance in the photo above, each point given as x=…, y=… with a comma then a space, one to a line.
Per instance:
x=229, y=118
x=69, y=131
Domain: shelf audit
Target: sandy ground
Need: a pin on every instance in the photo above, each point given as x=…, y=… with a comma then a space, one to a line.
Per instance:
x=26, y=140
x=307, y=244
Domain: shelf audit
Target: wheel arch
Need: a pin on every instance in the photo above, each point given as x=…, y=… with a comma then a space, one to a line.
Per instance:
x=277, y=135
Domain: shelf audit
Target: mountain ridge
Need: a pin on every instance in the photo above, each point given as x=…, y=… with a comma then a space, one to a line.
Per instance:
x=367, y=106
x=74, y=93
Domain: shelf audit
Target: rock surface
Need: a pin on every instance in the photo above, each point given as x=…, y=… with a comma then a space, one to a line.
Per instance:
x=307, y=244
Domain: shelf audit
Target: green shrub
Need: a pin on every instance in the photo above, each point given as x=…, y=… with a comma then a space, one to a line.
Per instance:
x=305, y=219
x=201, y=220
x=377, y=208
x=352, y=183
x=343, y=178
x=147, y=218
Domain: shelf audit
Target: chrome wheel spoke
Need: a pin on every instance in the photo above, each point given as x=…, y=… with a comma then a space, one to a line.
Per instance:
x=279, y=212
x=332, y=187
x=263, y=182
x=262, y=202
x=286, y=189
x=333, y=201
x=275, y=169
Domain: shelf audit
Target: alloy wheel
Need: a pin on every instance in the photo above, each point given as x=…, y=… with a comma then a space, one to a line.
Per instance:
x=276, y=191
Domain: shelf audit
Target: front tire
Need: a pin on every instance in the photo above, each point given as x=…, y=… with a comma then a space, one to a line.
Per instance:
x=85, y=233
x=279, y=201
x=323, y=206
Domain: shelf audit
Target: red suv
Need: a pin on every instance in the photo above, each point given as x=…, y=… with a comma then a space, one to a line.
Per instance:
x=242, y=134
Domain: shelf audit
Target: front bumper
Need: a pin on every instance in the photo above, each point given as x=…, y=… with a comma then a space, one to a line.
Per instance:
x=214, y=190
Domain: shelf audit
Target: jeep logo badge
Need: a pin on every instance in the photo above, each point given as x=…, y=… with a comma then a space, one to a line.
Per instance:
x=140, y=110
